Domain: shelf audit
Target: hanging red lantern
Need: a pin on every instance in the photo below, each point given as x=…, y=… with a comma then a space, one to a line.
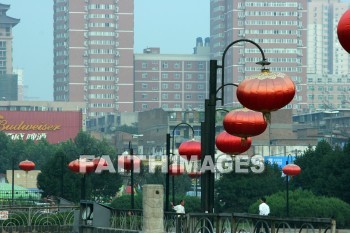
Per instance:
x=124, y=161
x=244, y=123
x=343, y=31
x=176, y=169
x=232, y=145
x=194, y=175
x=266, y=92
x=98, y=161
x=81, y=166
x=26, y=165
x=189, y=149
x=291, y=170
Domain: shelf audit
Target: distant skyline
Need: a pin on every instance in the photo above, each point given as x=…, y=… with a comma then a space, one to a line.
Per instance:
x=171, y=25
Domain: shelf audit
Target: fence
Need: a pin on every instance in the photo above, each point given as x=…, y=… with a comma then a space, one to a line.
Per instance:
x=61, y=219
x=37, y=219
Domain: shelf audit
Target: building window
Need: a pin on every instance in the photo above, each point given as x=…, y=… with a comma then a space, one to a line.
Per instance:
x=165, y=65
x=176, y=65
x=164, y=96
x=177, y=86
x=165, y=75
x=188, y=65
x=165, y=86
x=144, y=65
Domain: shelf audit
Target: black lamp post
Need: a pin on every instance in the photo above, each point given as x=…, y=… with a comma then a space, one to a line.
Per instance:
x=131, y=151
x=168, y=152
x=13, y=180
x=208, y=126
x=289, y=170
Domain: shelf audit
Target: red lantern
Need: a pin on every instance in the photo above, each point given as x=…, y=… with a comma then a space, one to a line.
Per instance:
x=244, y=123
x=291, y=170
x=190, y=148
x=99, y=162
x=27, y=165
x=124, y=161
x=266, y=92
x=343, y=30
x=176, y=169
x=232, y=145
x=194, y=175
x=81, y=166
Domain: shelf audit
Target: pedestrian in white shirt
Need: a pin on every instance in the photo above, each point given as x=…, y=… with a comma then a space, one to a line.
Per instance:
x=264, y=210
x=180, y=208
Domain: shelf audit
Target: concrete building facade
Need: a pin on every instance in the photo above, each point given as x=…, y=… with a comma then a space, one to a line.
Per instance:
x=172, y=81
x=279, y=27
x=328, y=74
x=93, y=54
x=8, y=80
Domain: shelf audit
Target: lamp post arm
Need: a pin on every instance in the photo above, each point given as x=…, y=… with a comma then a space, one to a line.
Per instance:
x=263, y=62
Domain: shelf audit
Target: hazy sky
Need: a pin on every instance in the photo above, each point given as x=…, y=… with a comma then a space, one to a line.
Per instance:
x=171, y=25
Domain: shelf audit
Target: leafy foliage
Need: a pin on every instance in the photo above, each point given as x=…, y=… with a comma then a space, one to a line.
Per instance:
x=236, y=191
x=325, y=171
x=306, y=204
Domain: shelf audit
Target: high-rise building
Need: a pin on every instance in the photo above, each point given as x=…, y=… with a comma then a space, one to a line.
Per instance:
x=279, y=27
x=328, y=71
x=172, y=81
x=8, y=80
x=93, y=54
x=6, y=25
x=325, y=54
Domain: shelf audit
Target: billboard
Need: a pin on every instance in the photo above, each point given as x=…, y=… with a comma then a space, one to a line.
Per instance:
x=281, y=161
x=53, y=126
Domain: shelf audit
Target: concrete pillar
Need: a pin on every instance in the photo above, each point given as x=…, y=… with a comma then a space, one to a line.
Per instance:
x=153, y=208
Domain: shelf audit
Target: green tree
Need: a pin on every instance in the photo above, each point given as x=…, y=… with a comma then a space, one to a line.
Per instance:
x=325, y=171
x=101, y=186
x=306, y=204
x=236, y=191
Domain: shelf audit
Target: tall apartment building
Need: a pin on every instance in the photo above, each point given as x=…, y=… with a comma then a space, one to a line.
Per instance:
x=93, y=54
x=279, y=27
x=8, y=80
x=328, y=70
x=172, y=81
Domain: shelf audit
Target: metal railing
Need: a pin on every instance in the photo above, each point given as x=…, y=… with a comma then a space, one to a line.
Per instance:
x=61, y=219
x=37, y=219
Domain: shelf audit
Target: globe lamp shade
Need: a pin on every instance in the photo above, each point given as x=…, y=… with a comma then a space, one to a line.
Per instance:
x=194, y=175
x=190, y=149
x=26, y=165
x=343, y=31
x=124, y=161
x=81, y=166
x=232, y=145
x=291, y=170
x=99, y=162
x=244, y=123
x=266, y=92
x=176, y=169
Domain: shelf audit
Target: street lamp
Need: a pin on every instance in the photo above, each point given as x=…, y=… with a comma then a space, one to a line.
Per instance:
x=168, y=153
x=275, y=91
x=128, y=162
x=289, y=170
